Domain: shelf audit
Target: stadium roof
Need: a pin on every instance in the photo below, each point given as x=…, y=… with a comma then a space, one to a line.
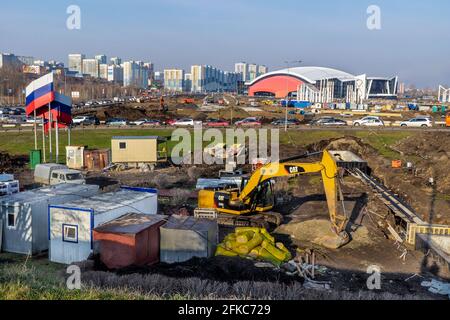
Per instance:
x=309, y=74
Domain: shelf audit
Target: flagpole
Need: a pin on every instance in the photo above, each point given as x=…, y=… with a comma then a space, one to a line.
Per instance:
x=43, y=138
x=57, y=137
x=50, y=147
x=68, y=134
x=35, y=130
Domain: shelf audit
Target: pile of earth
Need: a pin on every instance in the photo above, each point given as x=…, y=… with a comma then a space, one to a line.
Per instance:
x=10, y=164
x=121, y=112
x=430, y=154
x=186, y=106
x=317, y=231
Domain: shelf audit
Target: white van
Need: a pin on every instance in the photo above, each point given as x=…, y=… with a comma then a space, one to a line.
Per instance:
x=53, y=173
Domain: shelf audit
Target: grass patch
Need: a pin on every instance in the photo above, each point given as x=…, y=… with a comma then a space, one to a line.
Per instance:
x=20, y=143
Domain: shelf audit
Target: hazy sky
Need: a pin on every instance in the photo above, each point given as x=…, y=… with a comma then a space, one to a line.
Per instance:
x=414, y=41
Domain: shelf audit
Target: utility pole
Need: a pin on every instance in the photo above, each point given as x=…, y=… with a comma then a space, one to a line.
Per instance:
x=288, y=63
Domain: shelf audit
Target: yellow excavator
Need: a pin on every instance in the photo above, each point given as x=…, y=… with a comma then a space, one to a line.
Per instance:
x=251, y=204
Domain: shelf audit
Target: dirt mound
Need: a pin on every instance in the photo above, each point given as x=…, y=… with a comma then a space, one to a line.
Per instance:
x=226, y=114
x=11, y=164
x=430, y=154
x=315, y=231
x=121, y=112
x=186, y=106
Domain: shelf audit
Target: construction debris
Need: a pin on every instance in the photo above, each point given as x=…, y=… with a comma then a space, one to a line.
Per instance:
x=437, y=287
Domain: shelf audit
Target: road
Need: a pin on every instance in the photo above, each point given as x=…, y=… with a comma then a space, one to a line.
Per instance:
x=297, y=128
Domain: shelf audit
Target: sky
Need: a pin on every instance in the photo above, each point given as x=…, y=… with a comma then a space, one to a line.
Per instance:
x=413, y=42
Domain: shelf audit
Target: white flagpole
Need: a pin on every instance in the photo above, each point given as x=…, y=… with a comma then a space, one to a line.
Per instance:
x=50, y=120
x=57, y=137
x=43, y=140
x=35, y=130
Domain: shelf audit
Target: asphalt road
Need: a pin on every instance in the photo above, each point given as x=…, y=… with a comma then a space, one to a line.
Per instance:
x=296, y=128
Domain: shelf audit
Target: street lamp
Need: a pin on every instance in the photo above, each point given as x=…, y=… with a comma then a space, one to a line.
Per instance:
x=288, y=64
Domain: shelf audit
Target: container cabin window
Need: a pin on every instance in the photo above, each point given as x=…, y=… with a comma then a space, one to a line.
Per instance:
x=122, y=145
x=12, y=219
x=70, y=233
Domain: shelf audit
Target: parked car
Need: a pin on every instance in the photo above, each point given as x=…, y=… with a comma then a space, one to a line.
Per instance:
x=5, y=110
x=282, y=122
x=79, y=120
x=116, y=122
x=31, y=120
x=186, y=122
x=318, y=122
x=419, y=122
x=370, y=121
x=91, y=121
x=248, y=122
x=330, y=122
x=152, y=123
x=170, y=122
x=139, y=122
x=217, y=123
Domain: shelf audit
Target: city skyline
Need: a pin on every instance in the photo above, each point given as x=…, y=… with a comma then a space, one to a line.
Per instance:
x=178, y=34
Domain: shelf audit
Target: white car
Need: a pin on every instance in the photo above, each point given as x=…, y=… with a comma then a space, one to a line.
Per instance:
x=418, y=123
x=139, y=122
x=79, y=119
x=186, y=122
x=370, y=121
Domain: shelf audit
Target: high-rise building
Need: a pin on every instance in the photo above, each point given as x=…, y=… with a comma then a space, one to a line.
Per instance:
x=26, y=60
x=242, y=69
x=262, y=69
x=101, y=59
x=116, y=61
x=115, y=74
x=76, y=62
x=151, y=70
x=209, y=79
x=252, y=71
x=197, y=78
x=249, y=72
x=135, y=74
x=174, y=80
x=91, y=67
x=188, y=82
x=9, y=60
x=103, y=71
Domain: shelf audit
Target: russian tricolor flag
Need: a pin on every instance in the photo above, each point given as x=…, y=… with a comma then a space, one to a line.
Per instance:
x=39, y=93
x=61, y=111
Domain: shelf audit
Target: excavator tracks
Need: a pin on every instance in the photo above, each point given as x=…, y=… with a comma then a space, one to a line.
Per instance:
x=260, y=220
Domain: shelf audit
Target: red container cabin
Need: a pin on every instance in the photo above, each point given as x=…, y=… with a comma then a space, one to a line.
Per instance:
x=131, y=240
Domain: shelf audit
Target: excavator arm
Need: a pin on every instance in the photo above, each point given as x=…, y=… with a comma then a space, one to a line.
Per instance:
x=328, y=169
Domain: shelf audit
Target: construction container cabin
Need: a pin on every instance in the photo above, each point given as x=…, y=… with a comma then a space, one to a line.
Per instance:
x=71, y=225
x=183, y=238
x=138, y=152
x=96, y=160
x=25, y=215
x=75, y=157
x=131, y=240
